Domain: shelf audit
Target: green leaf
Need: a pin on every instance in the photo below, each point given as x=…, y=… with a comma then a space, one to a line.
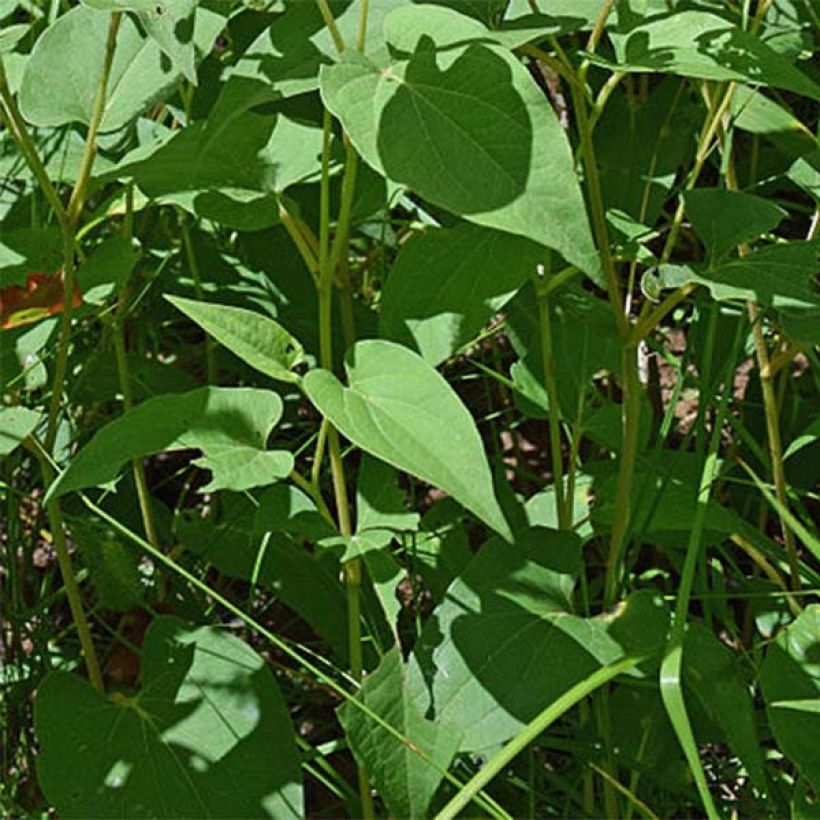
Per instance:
x=114, y=566
x=791, y=672
x=510, y=612
x=404, y=780
x=170, y=24
x=725, y=219
x=700, y=44
x=106, y=268
x=805, y=172
x=402, y=411
x=447, y=284
x=16, y=424
x=258, y=340
x=429, y=121
x=11, y=35
x=208, y=735
x=284, y=60
x=61, y=76
x=380, y=503
x=779, y=276
x=757, y=114
x=711, y=674
x=262, y=542
x=229, y=424
x=641, y=145
x=584, y=341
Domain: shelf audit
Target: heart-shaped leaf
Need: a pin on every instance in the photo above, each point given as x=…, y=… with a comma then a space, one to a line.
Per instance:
x=507, y=621
x=456, y=103
x=208, y=735
x=61, y=76
x=401, y=410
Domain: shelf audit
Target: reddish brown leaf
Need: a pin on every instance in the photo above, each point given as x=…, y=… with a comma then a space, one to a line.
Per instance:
x=43, y=295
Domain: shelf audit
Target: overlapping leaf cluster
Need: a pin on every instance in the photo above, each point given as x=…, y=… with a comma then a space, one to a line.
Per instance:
x=452, y=366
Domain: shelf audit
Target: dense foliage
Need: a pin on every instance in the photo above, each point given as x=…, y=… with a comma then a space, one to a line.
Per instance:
x=409, y=409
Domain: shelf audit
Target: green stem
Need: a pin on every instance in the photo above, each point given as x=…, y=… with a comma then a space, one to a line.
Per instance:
x=631, y=411
x=77, y=201
x=550, y=384
x=193, y=266
x=73, y=212
x=361, y=39
x=597, y=209
x=353, y=568
x=530, y=733
x=137, y=467
x=773, y=437
x=298, y=238
x=330, y=22
x=72, y=588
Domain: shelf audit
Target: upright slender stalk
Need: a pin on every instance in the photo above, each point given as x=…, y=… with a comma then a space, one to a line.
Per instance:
x=550, y=384
x=72, y=588
x=193, y=266
x=69, y=223
x=73, y=213
x=137, y=467
x=353, y=568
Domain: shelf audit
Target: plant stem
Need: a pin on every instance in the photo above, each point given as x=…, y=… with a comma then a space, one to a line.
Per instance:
x=530, y=733
x=330, y=22
x=73, y=212
x=352, y=568
x=69, y=220
x=596, y=202
x=361, y=39
x=631, y=417
x=75, y=600
x=77, y=200
x=551, y=386
x=193, y=266
x=671, y=665
x=137, y=467
x=774, y=440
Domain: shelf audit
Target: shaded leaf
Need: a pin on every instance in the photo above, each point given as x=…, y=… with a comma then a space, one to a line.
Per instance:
x=711, y=674
x=790, y=673
x=447, y=284
x=725, y=219
x=510, y=611
x=207, y=735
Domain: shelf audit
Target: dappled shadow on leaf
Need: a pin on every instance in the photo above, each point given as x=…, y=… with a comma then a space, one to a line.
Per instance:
x=507, y=622
x=208, y=735
x=790, y=678
x=443, y=123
